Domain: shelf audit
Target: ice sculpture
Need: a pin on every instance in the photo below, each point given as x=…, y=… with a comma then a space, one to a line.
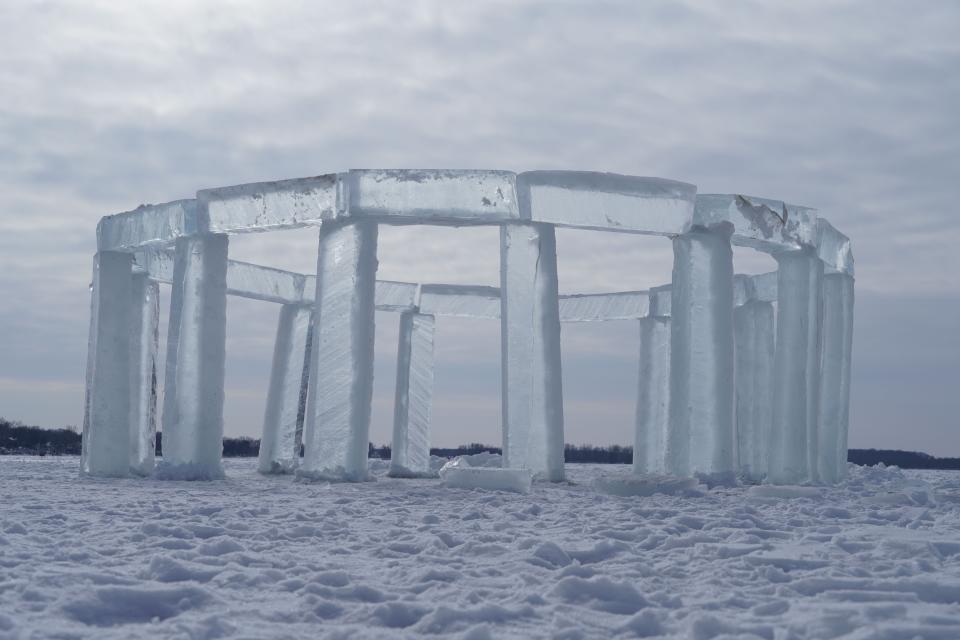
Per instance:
x=720, y=389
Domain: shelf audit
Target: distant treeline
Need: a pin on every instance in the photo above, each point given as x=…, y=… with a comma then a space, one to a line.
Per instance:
x=18, y=439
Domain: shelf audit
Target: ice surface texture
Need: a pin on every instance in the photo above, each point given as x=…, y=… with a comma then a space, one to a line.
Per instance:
x=459, y=474
x=692, y=348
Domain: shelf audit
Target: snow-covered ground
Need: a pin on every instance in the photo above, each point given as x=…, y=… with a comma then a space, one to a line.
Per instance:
x=256, y=557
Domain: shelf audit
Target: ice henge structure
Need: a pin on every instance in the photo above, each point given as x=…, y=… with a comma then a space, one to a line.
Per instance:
x=745, y=375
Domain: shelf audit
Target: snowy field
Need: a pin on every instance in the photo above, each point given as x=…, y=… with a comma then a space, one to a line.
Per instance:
x=255, y=557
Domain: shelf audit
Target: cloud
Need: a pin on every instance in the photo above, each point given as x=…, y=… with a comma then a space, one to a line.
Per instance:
x=848, y=107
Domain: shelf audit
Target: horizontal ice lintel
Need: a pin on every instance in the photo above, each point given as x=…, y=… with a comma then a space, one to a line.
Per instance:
x=265, y=206
x=464, y=301
x=431, y=196
x=388, y=295
x=606, y=201
x=244, y=280
x=149, y=225
x=760, y=223
x=834, y=248
x=599, y=307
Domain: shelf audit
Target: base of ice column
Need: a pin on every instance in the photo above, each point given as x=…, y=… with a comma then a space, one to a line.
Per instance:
x=835, y=375
x=340, y=390
x=531, y=379
x=196, y=351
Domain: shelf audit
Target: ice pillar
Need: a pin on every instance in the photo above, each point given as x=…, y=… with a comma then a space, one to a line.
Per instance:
x=410, y=451
x=532, y=386
x=835, y=375
x=144, y=340
x=796, y=377
x=653, y=396
x=279, y=445
x=701, y=436
x=753, y=324
x=337, y=424
x=196, y=342
x=106, y=423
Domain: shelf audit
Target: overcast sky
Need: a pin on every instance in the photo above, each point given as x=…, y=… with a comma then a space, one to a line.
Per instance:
x=848, y=107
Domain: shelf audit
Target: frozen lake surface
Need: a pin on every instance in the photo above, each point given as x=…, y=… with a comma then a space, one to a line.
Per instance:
x=262, y=557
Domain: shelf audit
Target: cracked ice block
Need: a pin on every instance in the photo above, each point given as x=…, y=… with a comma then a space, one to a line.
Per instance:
x=106, y=424
x=701, y=436
x=532, y=387
x=410, y=449
x=653, y=396
x=196, y=349
x=144, y=342
x=835, y=375
x=761, y=223
x=463, y=301
x=147, y=225
x=337, y=424
x=265, y=206
x=834, y=248
x=279, y=445
x=606, y=201
x=432, y=196
x=796, y=376
x=754, y=337
x=623, y=305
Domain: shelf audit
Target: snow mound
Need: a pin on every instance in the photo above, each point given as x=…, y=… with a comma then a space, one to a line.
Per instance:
x=646, y=485
x=784, y=491
x=459, y=474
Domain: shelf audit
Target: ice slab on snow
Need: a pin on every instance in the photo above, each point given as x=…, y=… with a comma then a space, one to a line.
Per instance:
x=834, y=248
x=464, y=301
x=606, y=201
x=623, y=305
x=264, y=206
x=431, y=196
x=646, y=485
x=147, y=225
x=458, y=474
x=764, y=224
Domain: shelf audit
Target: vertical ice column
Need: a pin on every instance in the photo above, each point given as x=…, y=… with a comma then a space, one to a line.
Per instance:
x=144, y=342
x=410, y=451
x=701, y=438
x=753, y=324
x=337, y=425
x=106, y=423
x=796, y=377
x=653, y=396
x=279, y=448
x=196, y=349
x=835, y=375
x=532, y=386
